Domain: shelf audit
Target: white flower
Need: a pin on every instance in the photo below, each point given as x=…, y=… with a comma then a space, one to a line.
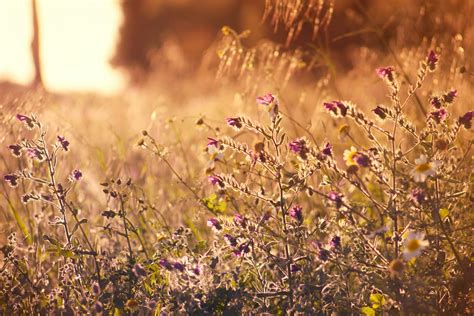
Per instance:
x=424, y=169
x=414, y=245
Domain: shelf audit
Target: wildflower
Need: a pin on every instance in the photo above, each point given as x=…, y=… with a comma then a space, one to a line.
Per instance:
x=270, y=101
x=435, y=102
x=466, y=119
x=216, y=180
x=298, y=146
x=15, y=149
x=76, y=175
x=380, y=112
x=214, y=224
x=418, y=195
x=396, y=268
x=439, y=115
x=349, y=156
x=234, y=122
x=26, y=198
x=35, y=153
x=231, y=241
x=362, y=159
x=139, y=270
x=335, y=242
x=336, y=108
x=327, y=150
x=295, y=268
x=296, y=213
x=432, y=60
x=178, y=266
x=335, y=197
x=165, y=264
x=242, y=250
x=414, y=245
x=25, y=119
x=386, y=73
x=450, y=96
x=211, y=142
x=240, y=220
x=423, y=169
x=63, y=142
x=12, y=179
x=196, y=270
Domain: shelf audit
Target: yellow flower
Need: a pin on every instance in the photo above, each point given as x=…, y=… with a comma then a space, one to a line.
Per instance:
x=349, y=156
x=414, y=245
x=424, y=169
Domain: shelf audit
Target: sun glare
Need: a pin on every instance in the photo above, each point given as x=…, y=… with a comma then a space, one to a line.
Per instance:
x=77, y=40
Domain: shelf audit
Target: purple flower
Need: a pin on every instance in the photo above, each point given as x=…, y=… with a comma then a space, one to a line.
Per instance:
x=214, y=224
x=216, y=180
x=336, y=108
x=335, y=197
x=295, y=268
x=15, y=149
x=266, y=99
x=35, y=153
x=165, y=264
x=196, y=270
x=242, y=250
x=335, y=242
x=96, y=288
x=361, y=159
x=76, y=175
x=450, y=96
x=234, y=122
x=327, y=150
x=63, y=142
x=323, y=254
x=178, y=266
x=385, y=73
x=296, y=212
x=25, y=119
x=240, y=220
x=211, y=142
x=139, y=270
x=432, y=60
x=380, y=112
x=435, y=102
x=466, y=119
x=231, y=241
x=439, y=115
x=418, y=195
x=12, y=179
x=297, y=146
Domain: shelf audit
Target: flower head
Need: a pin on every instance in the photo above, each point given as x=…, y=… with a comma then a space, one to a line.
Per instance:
x=353, y=157
x=361, y=159
x=436, y=102
x=450, y=96
x=299, y=147
x=214, y=224
x=466, y=119
x=432, y=60
x=336, y=108
x=414, y=245
x=216, y=180
x=178, y=266
x=35, y=153
x=270, y=101
x=335, y=242
x=231, y=241
x=418, y=195
x=12, y=179
x=240, y=220
x=335, y=197
x=380, y=112
x=26, y=120
x=64, y=143
x=296, y=212
x=423, y=169
x=76, y=175
x=327, y=150
x=16, y=150
x=439, y=115
x=385, y=72
x=234, y=122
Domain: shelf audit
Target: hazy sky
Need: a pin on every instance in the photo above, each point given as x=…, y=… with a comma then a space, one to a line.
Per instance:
x=77, y=40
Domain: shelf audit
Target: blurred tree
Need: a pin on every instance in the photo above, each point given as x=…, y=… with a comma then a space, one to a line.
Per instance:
x=35, y=47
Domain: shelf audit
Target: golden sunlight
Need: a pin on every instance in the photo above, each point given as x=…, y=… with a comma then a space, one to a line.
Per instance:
x=77, y=40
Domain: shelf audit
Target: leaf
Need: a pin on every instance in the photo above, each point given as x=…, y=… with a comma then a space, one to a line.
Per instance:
x=76, y=226
x=19, y=221
x=443, y=213
x=377, y=300
x=367, y=311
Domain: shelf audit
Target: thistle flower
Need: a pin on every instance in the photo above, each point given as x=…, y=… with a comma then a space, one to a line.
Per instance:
x=296, y=212
x=234, y=122
x=16, y=150
x=26, y=120
x=439, y=115
x=414, y=245
x=270, y=101
x=12, y=179
x=214, y=224
x=63, y=142
x=432, y=60
x=466, y=119
x=423, y=169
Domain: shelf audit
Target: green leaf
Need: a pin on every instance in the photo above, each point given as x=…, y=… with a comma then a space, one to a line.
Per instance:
x=21, y=224
x=377, y=300
x=215, y=204
x=367, y=311
x=443, y=213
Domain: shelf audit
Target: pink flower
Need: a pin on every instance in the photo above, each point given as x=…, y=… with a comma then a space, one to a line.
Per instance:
x=234, y=122
x=214, y=224
x=266, y=99
x=336, y=108
x=12, y=179
x=385, y=72
x=216, y=180
x=296, y=212
x=15, y=149
x=466, y=119
x=25, y=119
x=327, y=150
x=63, y=142
x=439, y=115
x=432, y=60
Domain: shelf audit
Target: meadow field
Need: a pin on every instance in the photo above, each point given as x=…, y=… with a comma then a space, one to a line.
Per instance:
x=324, y=167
